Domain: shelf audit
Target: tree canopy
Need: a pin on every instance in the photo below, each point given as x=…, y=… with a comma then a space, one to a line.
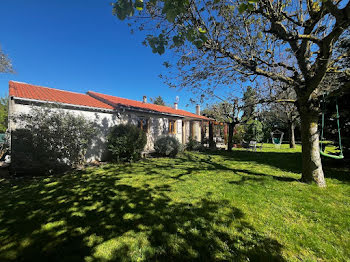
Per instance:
x=220, y=43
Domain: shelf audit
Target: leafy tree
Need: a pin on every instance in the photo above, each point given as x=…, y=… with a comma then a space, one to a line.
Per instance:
x=158, y=101
x=249, y=101
x=221, y=42
x=253, y=130
x=3, y=113
x=238, y=136
x=5, y=63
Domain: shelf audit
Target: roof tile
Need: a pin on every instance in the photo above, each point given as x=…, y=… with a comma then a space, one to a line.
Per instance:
x=91, y=99
x=117, y=101
x=24, y=90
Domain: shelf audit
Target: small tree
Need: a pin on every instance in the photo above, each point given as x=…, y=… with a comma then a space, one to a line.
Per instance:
x=50, y=138
x=126, y=142
x=158, y=101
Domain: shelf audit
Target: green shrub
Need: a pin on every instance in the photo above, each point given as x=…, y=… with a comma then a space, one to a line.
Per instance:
x=126, y=143
x=50, y=140
x=167, y=146
x=194, y=145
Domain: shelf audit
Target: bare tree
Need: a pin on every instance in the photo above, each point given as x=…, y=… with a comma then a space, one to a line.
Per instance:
x=223, y=42
x=5, y=63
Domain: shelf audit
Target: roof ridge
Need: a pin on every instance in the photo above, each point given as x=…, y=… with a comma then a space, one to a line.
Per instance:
x=48, y=87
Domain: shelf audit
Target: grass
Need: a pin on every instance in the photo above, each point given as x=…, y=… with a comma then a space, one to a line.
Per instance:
x=239, y=206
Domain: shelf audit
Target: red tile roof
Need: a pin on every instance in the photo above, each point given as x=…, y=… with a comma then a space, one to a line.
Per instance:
x=91, y=99
x=118, y=101
x=23, y=90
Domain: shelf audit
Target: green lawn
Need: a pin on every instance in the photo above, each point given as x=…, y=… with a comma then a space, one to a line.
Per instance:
x=239, y=206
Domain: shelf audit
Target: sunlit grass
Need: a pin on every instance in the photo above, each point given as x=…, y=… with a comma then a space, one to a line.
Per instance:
x=235, y=206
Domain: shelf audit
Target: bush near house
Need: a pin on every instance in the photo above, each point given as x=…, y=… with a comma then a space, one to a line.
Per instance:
x=126, y=143
x=167, y=146
x=194, y=145
x=49, y=140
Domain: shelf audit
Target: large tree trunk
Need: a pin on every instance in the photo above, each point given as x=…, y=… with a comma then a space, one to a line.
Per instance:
x=291, y=134
x=231, y=127
x=211, y=135
x=311, y=159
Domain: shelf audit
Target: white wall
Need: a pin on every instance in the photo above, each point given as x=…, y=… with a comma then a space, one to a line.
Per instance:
x=158, y=125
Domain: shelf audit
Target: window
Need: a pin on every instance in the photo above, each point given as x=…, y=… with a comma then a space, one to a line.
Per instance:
x=144, y=124
x=172, y=126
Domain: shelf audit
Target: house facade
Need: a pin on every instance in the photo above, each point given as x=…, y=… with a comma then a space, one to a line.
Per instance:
x=107, y=111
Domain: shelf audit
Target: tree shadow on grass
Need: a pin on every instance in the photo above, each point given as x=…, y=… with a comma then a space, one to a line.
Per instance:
x=207, y=163
x=289, y=162
x=101, y=217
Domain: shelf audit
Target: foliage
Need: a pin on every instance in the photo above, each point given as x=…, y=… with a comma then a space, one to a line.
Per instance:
x=253, y=131
x=3, y=114
x=239, y=133
x=5, y=63
x=250, y=101
x=194, y=145
x=167, y=146
x=49, y=139
x=219, y=43
x=237, y=206
x=126, y=142
x=158, y=101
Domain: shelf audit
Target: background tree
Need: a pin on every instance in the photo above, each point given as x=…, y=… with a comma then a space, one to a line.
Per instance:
x=253, y=130
x=225, y=112
x=249, y=101
x=222, y=42
x=158, y=101
x=5, y=63
x=3, y=114
x=283, y=112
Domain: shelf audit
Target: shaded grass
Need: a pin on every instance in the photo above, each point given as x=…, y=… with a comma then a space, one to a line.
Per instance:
x=235, y=206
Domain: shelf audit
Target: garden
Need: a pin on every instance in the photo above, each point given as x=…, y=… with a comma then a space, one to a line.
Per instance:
x=208, y=206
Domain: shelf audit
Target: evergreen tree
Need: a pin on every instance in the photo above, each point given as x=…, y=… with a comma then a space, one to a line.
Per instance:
x=159, y=101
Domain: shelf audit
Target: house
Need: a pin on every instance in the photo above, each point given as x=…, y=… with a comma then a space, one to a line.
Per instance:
x=107, y=111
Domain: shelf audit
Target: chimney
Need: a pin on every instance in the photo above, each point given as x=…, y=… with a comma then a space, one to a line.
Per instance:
x=144, y=99
x=198, y=109
x=175, y=105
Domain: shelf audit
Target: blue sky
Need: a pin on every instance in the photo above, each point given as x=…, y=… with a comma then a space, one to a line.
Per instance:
x=79, y=46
